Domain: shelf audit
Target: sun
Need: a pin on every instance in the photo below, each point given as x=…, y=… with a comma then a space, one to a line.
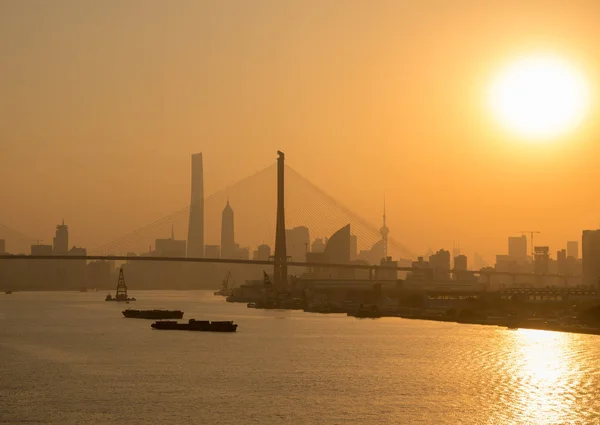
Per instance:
x=539, y=97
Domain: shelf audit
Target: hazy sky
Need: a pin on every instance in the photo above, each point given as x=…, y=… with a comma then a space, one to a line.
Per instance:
x=102, y=103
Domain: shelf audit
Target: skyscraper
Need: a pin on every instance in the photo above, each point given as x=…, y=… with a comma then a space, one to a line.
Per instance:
x=61, y=240
x=228, y=247
x=195, y=243
x=573, y=249
x=590, y=254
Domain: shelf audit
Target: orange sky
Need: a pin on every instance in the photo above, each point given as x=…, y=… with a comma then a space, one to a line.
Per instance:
x=102, y=103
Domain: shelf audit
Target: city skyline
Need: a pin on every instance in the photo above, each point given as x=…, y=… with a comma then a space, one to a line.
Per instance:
x=127, y=131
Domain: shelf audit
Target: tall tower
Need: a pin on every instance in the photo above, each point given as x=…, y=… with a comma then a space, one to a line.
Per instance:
x=280, y=255
x=227, y=235
x=384, y=232
x=195, y=245
x=61, y=240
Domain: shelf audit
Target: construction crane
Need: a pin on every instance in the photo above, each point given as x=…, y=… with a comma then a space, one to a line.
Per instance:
x=531, y=233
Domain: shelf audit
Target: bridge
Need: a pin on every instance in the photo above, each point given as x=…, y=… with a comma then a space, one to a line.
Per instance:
x=305, y=204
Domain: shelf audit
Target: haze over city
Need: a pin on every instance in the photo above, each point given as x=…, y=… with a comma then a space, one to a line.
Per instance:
x=102, y=106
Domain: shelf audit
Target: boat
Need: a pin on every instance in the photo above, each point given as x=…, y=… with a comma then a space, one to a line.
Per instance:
x=121, y=294
x=225, y=290
x=196, y=325
x=8, y=292
x=153, y=314
x=83, y=290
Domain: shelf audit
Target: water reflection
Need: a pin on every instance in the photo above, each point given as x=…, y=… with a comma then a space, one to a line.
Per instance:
x=545, y=377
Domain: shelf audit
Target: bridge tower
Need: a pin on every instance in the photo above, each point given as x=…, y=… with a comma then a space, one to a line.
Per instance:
x=280, y=255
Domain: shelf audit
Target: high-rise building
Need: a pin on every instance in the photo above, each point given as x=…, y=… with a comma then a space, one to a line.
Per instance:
x=517, y=247
x=2, y=246
x=297, y=242
x=541, y=259
x=61, y=240
x=573, y=249
x=262, y=253
x=228, y=246
x=460, y=262
x=590, y=257
x=440, y=263
x=195, y=242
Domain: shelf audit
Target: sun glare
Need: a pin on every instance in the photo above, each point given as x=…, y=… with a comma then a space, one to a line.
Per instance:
x=539, y=97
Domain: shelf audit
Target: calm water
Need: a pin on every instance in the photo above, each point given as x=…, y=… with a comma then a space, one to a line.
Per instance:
x=71, y=358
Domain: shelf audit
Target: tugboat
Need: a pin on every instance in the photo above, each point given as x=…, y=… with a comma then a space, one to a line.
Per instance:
x=196, y=325
x=225, y=291
x=121, y=294
x=153, y=314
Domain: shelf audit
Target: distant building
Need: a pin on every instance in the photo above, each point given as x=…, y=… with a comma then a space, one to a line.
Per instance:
x=297, y=242
x=590, y=244
x=263, y=252
x=573, y=249
x=228, y=245
x=170, y=247
x=561, y=261
x=212, y=251
x=541, y=260
x=387, y=269
x=318, y=245
x=39, y=249
x=517, y=247
x=2, y=246
x=440, y=263
x=242, y=253
x=195, y=241
x=460, y=262
x=61, y=240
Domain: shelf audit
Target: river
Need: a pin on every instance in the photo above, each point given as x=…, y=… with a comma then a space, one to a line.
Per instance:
x=71, y=358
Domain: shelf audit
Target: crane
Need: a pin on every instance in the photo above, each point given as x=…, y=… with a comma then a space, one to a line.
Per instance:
x=531, y=233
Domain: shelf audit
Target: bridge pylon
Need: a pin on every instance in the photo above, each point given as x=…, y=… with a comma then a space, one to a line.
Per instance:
x=280, y=276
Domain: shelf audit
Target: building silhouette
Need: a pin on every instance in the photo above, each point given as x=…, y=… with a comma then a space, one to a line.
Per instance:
x=228, y=245
x=541, y=263
x=590, y=254
x=297, y=242
x=460, y=262
x=440, y=263
x=2, y=246
x=517, y=247
x=61, y=239
x=212, y=251
x=170, y=247
x=573, y=249
x=195, y=242
x=353, y=247
x=318, y=245
x=262, y=253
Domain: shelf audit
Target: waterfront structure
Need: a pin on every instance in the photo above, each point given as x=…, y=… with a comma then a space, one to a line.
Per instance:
x=2, y=246
x=195, y=241
x=228, y=246
x=61, y=239
x=590, y=247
